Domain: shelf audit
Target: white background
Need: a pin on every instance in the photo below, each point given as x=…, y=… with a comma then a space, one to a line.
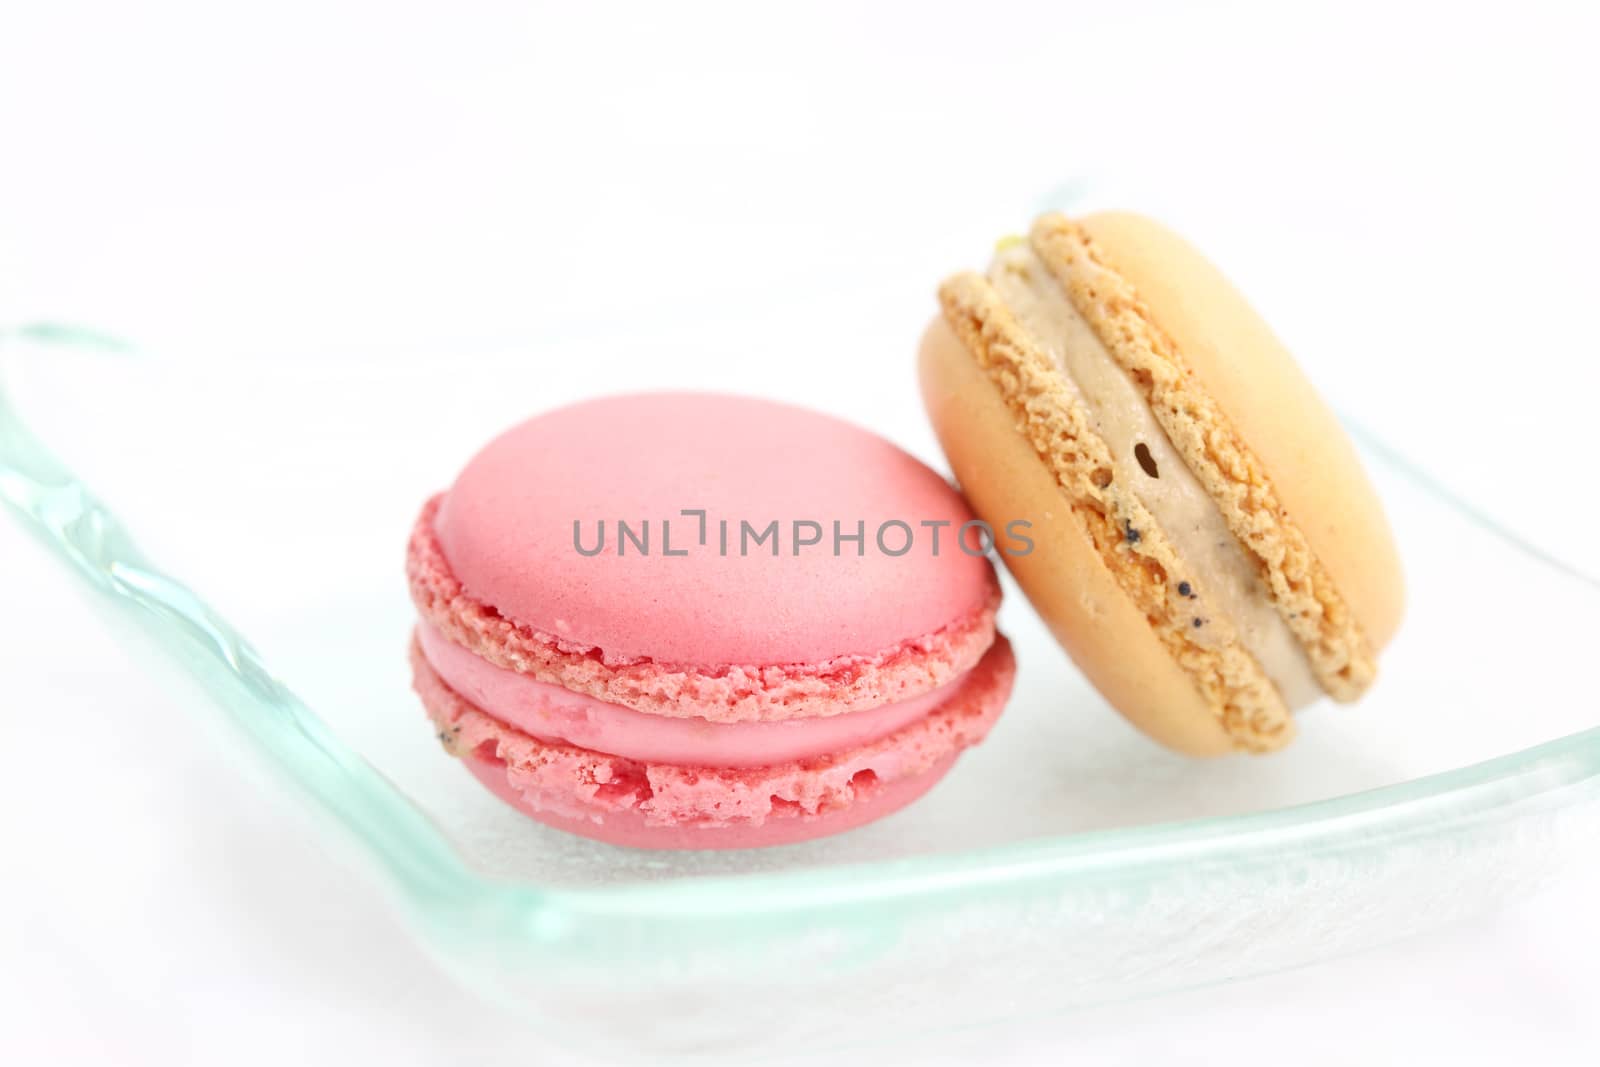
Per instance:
x=292, y=179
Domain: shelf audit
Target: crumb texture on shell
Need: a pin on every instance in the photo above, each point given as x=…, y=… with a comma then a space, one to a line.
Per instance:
x=1300, y=587
x=1126, y=537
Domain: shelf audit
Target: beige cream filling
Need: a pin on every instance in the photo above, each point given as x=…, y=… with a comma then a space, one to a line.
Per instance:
x=1224, y=576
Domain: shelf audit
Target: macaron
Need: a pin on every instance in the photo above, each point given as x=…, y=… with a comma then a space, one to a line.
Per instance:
x=1208, y=549
x=703, y=621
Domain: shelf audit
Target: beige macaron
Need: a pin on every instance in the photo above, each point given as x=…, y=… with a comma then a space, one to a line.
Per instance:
x=1205, y=543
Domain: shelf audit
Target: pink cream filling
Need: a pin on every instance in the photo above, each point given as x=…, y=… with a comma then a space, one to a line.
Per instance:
x=551, y=713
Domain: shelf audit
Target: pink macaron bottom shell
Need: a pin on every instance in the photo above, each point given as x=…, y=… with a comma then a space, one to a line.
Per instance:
x=633, y=829
x=722, y=694
x=613, y=798
x=550, y=713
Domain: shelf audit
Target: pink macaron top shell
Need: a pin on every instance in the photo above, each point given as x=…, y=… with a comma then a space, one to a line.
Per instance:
x=506, y=531
x=774, y=693
x=551, y=713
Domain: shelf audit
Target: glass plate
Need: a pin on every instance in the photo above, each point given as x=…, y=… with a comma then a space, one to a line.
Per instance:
x=1064, y=861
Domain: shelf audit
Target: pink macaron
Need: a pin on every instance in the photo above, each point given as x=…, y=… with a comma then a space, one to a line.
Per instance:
x=703, y=621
